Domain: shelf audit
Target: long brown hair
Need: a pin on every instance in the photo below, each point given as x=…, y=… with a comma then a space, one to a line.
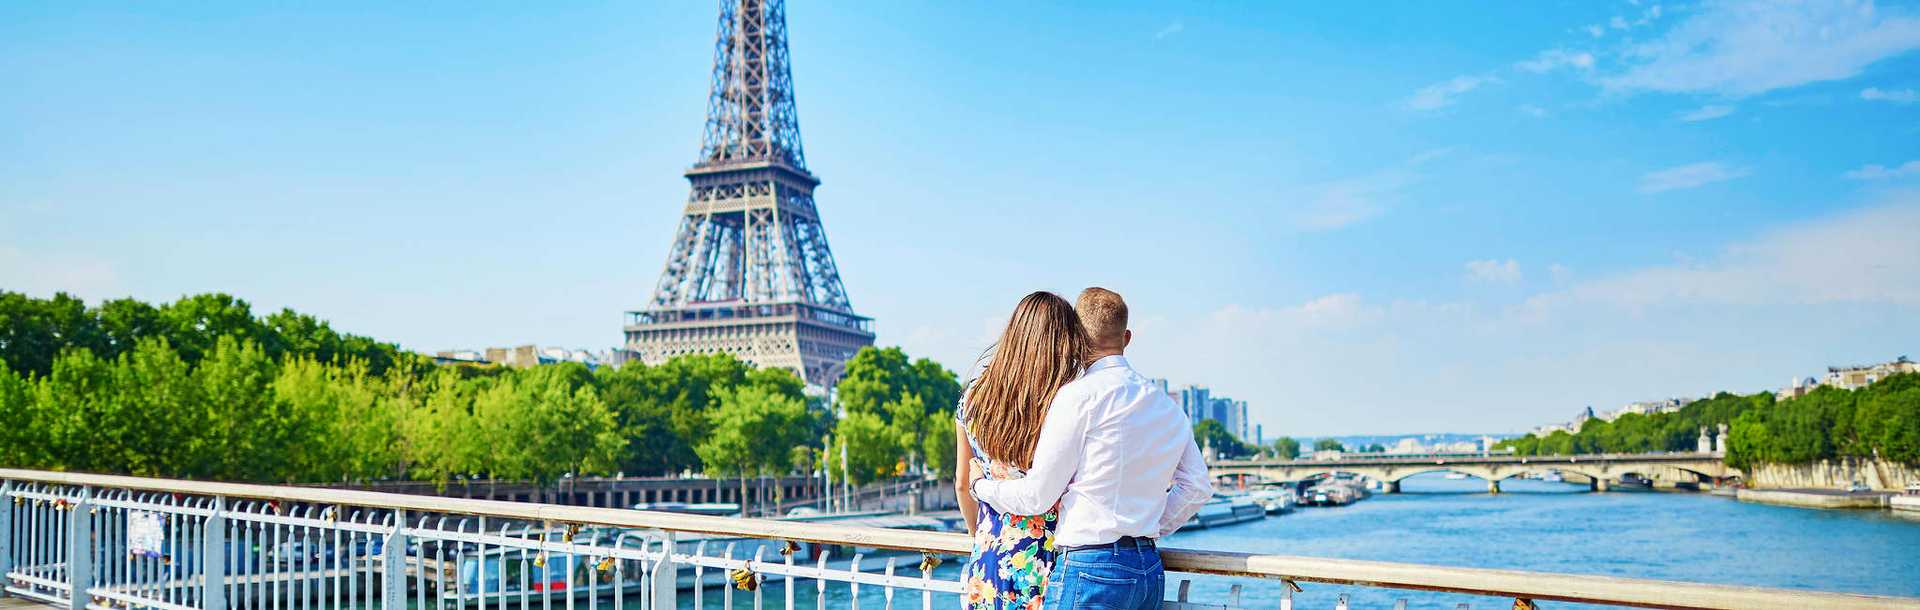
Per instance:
x=1043, y=348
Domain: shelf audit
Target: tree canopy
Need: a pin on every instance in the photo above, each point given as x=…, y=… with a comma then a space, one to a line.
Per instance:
x=202, y=388
x=1211, y=434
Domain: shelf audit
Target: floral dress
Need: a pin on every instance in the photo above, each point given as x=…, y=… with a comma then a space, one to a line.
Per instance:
x=1012, y=554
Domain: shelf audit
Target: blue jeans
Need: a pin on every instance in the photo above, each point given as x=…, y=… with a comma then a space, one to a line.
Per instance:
x=1118, y=576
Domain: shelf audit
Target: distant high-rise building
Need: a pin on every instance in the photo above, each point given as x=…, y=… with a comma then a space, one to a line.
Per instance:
x=1200, y=405
x=1194, y=402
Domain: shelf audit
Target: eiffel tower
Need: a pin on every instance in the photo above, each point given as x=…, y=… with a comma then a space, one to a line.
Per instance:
x=750, y=273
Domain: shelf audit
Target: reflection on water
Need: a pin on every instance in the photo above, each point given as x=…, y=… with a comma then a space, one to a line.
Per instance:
x=1537, y=526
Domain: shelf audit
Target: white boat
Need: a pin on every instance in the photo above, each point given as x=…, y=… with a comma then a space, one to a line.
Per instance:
x=1456, y=475
x=1226, y=510
x=1274, y=499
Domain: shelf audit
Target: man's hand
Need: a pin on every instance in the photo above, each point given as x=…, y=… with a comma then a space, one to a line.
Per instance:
x=977, y=469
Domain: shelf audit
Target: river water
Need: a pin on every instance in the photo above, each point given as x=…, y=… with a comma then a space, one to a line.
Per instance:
x=1555, y=527
x=1538, y=526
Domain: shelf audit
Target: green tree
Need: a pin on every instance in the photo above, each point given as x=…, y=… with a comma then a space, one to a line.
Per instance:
x=72, y=402
x=124, y=323
x=443, y=437
x=877, y=377
x=196, y=324
x=346, y=417
x=157, y=419
x=1211, y=434
x=1328, y=444
x=550, y=422
x=1286, y=448
x=755, y=429
x=871, y=447
x=34, y=332
x=249, y=436
x=938, y=444
x=22, y=436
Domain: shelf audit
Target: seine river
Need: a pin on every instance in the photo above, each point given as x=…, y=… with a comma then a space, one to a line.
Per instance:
x=1541, y=526
x=1554, y=527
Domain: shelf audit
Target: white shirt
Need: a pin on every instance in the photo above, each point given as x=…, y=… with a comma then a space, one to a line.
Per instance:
x=1117, y=454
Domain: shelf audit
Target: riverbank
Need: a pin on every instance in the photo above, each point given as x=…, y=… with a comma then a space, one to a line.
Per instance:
x=1881, y=475
x=1816, y=498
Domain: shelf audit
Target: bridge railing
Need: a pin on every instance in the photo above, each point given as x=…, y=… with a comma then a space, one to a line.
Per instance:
x=1495, y=456
x=92, y=542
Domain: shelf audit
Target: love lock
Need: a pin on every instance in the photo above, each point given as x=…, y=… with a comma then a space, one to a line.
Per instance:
x=928, y=562
x=744, y=579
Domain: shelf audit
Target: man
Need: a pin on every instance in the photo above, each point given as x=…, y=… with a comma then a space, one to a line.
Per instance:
x=1119, y=457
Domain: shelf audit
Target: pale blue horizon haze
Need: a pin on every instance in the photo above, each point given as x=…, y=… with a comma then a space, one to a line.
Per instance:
x=1390, y=218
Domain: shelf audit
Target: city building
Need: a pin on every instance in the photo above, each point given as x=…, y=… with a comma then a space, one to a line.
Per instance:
x=1648, y=407
x=1199, y=404
x=1569, y=427
x=524, y=356
x=1800, y=387
x=1856, y=377
x=1847, y=377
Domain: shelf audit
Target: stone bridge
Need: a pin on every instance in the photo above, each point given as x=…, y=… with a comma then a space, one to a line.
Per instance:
x=1664, y=469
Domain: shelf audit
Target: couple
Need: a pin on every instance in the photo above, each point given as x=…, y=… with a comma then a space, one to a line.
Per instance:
x=1071, y=464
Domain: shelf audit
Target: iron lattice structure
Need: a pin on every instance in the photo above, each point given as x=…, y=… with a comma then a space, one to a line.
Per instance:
x=750, y=273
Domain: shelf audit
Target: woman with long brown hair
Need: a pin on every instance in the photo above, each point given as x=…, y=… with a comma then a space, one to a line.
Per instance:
x=1042, y=348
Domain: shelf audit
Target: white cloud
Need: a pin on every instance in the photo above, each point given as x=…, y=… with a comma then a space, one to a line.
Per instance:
x=1596, y=30
x=1689, y=176
x=1876, y=171
x=1552, y=59
x=1533, y=111
x=1171, y=29
x=1617, y=22
x=1348, y=201
x=1862, y=257
x=1442, y=94
x=1828, y=288
x=1897, y=96
x=1494, y=272
x=1746, y=48
x=1560, y=273
x=1706, y=113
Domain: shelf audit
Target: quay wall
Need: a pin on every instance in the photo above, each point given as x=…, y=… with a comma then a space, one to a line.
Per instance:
x=1882, y=475
x=1813, y=499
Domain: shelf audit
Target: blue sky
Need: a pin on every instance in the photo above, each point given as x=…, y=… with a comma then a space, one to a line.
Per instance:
x=1395, y=218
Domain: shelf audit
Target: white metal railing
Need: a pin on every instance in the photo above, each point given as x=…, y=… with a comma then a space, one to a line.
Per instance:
x=95, y=542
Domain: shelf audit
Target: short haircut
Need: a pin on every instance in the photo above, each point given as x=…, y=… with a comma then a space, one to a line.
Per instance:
x=1104, y=314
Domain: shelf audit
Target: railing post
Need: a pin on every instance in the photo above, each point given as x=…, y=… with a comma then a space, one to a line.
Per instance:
x=79, y=551
x=213, y=557
x=393, y=565
x=665, y=587
x=6, y=534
